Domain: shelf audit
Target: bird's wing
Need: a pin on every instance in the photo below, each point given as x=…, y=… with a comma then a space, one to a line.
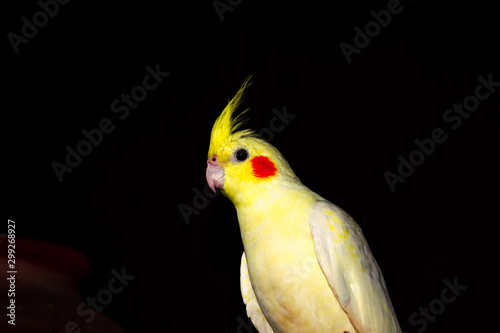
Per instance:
x=253, y=309
x=351, y=270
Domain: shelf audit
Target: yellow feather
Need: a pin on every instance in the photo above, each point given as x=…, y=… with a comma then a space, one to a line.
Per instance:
x=224, y=129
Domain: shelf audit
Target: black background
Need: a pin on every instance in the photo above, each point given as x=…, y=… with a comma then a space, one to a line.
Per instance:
x=120, y=206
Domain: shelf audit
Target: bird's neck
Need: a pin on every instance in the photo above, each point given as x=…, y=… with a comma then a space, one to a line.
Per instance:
x=273, y=209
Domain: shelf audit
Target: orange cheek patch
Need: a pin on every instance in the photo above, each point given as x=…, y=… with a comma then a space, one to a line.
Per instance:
x=263, y=167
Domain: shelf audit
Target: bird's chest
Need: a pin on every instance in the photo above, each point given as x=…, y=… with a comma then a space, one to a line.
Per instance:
x=284, y=275
x=288, y=282
x=282, y=264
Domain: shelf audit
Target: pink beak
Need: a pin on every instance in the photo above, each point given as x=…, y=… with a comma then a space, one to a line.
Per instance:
x=215, y=173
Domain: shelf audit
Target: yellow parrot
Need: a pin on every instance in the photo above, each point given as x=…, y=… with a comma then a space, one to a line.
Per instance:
x=306, y=266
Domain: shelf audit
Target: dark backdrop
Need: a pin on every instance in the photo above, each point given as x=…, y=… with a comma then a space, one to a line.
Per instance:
x=134, y=200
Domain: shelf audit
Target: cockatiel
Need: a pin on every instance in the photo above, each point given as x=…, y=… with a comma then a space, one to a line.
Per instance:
x=306, y=266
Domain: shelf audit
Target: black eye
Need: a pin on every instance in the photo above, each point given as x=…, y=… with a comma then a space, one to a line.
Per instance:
x=241, y=154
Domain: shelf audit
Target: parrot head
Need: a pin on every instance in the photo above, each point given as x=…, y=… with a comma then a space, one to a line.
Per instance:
x=240, y=162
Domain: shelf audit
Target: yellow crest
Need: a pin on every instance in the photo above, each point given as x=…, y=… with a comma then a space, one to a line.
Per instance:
x=224, y=130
